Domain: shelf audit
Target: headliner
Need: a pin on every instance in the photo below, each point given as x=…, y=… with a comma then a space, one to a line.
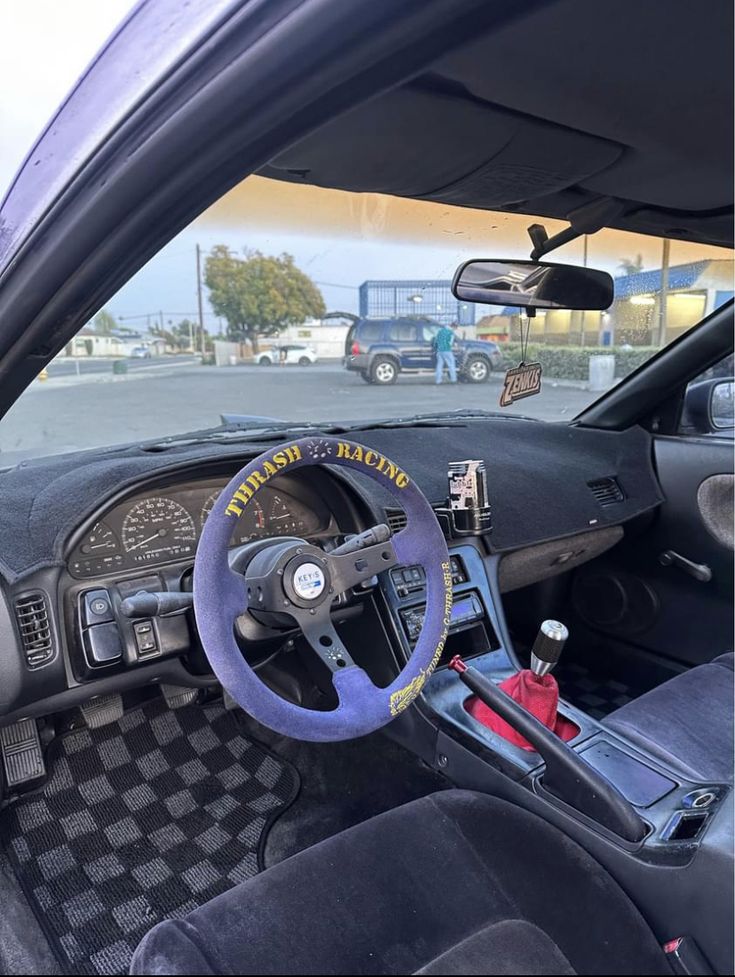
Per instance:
x=568, y=104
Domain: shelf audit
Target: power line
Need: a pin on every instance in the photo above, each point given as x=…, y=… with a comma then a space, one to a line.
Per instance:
x=352, y=288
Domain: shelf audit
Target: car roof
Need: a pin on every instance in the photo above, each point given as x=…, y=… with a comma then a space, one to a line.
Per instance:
x=622, y=107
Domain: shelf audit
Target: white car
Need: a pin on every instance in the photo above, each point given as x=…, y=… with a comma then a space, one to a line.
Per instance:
x=287, y=354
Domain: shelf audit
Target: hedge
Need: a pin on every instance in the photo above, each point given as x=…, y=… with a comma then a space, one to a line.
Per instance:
x=572, y=362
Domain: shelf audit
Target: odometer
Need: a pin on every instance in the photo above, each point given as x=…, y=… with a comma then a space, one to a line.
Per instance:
x=158, y=529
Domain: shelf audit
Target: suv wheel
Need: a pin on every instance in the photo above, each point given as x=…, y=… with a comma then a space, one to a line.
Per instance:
x=304, y=361
x=383, y=370
x=265, y=361
x=477, y=369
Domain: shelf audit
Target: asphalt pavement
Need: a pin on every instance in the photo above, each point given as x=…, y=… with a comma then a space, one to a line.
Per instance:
x=69, y=411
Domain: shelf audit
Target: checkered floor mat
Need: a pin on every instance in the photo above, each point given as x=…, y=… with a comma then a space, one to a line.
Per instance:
x=593, y=693
x=141, y=820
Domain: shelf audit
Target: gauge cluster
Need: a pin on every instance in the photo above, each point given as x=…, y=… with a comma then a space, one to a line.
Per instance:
x=165, y=525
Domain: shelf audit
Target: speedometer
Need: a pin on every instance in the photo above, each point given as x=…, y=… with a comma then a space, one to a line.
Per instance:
x=158, y=529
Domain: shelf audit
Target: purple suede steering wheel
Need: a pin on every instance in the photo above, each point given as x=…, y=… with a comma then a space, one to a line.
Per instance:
x=293, y=578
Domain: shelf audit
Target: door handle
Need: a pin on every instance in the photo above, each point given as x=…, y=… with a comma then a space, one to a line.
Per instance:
x=700, y=571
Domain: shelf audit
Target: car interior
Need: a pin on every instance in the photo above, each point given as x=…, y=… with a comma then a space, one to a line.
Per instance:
x=436, y=694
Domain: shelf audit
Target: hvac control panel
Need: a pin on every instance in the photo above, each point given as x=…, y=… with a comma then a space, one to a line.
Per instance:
x=468, y=609
x=412, y=580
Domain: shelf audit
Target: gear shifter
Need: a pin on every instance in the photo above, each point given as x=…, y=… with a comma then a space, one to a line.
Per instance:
x=533, y=688
x=548, y=646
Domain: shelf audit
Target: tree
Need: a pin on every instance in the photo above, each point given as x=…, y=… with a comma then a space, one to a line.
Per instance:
x=631, y=267
x=104, y=323
x=187, y=333
x=259, y=295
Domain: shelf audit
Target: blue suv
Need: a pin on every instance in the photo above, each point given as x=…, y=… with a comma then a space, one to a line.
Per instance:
x=380, y=349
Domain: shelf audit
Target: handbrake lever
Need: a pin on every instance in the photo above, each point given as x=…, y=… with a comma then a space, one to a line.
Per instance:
x=567, y=776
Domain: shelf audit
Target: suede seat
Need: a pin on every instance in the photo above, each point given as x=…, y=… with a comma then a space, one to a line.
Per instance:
x=687, y=722
x=454, y=883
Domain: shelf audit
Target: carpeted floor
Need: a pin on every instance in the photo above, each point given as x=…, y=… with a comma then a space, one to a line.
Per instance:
x=594, y=693
x=142, y=820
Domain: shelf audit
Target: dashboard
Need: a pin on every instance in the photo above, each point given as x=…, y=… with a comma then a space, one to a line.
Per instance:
x=165, y=525
x=83, y=533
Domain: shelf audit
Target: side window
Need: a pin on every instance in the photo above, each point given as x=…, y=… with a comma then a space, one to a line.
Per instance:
x=429, y=332
x=709, y=402
x=371, y=332
x=402, y=332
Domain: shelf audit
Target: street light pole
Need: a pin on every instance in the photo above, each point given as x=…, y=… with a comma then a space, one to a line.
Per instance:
x=664, y=294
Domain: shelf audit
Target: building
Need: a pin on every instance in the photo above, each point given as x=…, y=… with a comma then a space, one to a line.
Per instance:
x=635, y=318
x=87, y=342
x=327, y=339
x=426, y=298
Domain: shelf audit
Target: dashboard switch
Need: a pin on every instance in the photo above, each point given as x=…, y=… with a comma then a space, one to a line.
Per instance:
x=145, y=638
x=103, y=644
x=97, y=608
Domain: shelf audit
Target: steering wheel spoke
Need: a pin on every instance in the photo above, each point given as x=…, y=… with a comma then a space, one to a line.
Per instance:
x=322, y=636
x=360, y=558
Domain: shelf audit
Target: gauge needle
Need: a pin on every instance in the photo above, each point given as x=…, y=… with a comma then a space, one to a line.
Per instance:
x=150, y=539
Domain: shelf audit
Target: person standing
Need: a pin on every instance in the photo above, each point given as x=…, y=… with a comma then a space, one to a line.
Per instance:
x=444, y=347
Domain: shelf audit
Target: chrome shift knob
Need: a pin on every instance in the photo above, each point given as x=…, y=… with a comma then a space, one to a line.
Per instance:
x=548, y=646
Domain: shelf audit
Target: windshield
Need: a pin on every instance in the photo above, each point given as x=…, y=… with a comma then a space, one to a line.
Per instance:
x=306, y=304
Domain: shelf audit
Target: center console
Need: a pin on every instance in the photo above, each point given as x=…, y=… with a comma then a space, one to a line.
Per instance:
x=684, y=846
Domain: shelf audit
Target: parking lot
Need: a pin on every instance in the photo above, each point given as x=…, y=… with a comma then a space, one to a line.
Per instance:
x=68, y=412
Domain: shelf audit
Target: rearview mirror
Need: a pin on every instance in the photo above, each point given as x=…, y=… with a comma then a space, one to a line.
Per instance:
x=532, y=285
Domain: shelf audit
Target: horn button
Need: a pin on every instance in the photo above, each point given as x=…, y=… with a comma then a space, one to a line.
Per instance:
x=287, y=576
x=306, y=580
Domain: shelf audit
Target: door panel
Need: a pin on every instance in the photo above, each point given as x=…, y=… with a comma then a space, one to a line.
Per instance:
x=664, y=609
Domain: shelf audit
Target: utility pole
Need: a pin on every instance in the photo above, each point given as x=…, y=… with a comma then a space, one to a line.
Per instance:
x=664, y=294
x=584, y=311
x=199, y=298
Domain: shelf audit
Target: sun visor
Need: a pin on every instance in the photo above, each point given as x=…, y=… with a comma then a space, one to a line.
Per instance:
x=416, y=143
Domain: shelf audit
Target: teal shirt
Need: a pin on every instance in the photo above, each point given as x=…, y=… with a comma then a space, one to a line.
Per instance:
x=444, y=340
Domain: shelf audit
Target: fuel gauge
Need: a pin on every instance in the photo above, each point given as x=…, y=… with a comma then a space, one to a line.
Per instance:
x=101, y=539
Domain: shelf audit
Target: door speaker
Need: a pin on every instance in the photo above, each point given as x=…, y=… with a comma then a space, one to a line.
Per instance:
x=618, y=602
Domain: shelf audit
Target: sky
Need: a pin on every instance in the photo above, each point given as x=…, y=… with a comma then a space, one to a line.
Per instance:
x=339, y=239
x=47, y=44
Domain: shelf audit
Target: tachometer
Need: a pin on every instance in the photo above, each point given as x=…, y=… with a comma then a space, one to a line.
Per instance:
x=158, y=528
x=251, y=523
x=282, y=520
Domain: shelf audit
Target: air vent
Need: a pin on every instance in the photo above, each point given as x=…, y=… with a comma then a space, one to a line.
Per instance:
x=31, y=614
x=607, y=491
x=397, y=520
